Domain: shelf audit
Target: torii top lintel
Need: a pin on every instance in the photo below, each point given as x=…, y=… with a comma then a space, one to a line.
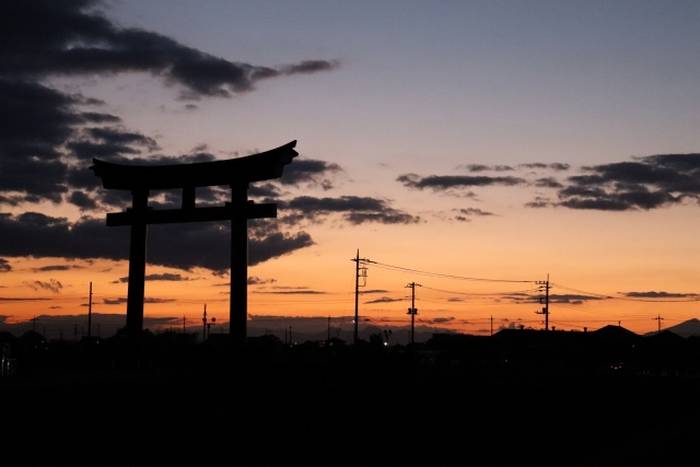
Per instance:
x=236, y=172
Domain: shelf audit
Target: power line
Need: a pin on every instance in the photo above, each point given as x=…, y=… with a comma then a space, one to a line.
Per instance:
x=476, y=294
x=629, y=299
x=439, y=274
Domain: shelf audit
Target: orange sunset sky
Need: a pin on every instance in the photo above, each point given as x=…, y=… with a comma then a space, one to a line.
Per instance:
x=475, y=139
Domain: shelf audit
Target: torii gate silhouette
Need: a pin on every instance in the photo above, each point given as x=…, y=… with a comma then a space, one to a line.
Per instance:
x=236, y=173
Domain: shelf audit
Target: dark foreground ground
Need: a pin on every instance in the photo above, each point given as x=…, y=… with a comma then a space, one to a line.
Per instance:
x=455, y=403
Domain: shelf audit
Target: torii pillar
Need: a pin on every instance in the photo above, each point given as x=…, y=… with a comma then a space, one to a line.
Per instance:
x=238, y=298
x=236, y=173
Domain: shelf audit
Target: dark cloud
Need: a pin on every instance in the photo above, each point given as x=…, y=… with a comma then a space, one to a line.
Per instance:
x=452, y=182
x=183, y=246
x=571, y=299
x=51, y=285
x=24, y=299
x=47, y=138
x=384, y=300
x=82, y=200
x=255, y=280
x=57, y=267
x=354, y=209
x=121, y=300
x=291, y=292
x=70, y=38
x=548, y=182
x=114, y=301
x=372, y=291
x=115, y=135
x=5, y=265
x=540, y=202
x=438, y=320
x=486, y=168
x=166, y=276
x=264, y=190
x=310, y=172
x=648, y=183
x=465, y=214
x=659, y=294
x=556, y=166
x=97, y=117
x=310, y=66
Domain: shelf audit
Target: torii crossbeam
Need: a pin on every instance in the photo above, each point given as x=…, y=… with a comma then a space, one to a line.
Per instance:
x=236, y=173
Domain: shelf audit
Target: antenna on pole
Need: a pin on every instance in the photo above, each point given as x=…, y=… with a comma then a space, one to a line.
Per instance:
x=204, y=324
x=360, y=273
x=658, y=319
x=413, y=311
x=544, y=288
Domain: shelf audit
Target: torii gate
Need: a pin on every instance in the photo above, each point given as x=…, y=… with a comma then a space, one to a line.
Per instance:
x=236, y=173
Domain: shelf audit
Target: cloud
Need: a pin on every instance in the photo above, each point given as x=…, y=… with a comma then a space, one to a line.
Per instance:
x=384, y=300
x=46, y=145
x=51, y=285
x=465, y=214
x=659, y=294
x=194, y=245
x=557, y=166
x=69, y=38
x=548, y=182
x=121, y=300
x=647, y=183
x=571, y=299
x=486, y=168
x=354, y=209
x=166, y=276
x=24, y=299
x=57, y=267
x=310, y=172
x=291, y=292
x=5, y=265
x=451, y=182
x=372, y=291
x=540, y=202
x=438, y=320
x=255, y=280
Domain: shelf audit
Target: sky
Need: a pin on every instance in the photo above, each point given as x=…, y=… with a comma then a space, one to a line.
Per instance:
x=496, y=140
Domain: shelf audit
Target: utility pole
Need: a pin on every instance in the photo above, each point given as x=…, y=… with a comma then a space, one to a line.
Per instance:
x=658, y=319
x=413, y=311
x=184, y=324
x=544, y=287
x=360, y=272
x=90, y=312
x=291, y=340
x=328, y=339
x=204, y=324
x=491, y=325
